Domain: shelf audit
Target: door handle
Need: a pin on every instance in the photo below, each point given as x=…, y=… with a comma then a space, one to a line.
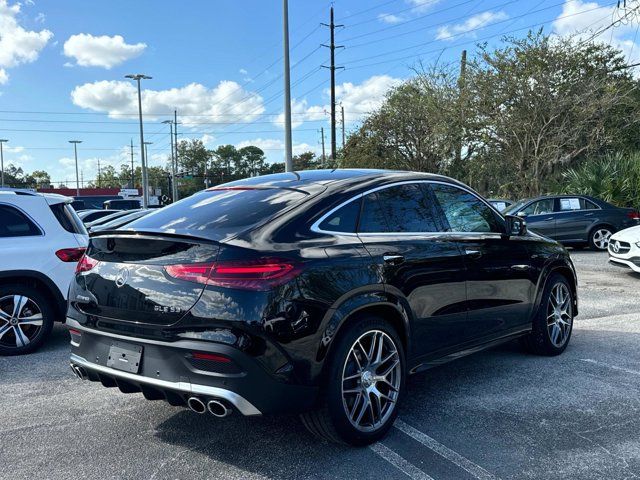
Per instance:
x=393, y=259
x=588, y=214
x=470, y=252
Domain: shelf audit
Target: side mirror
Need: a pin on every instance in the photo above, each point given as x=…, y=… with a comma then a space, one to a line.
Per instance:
x=516, y=226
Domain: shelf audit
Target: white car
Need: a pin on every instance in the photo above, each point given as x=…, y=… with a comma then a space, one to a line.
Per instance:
x=624, y=248
x=41, y=241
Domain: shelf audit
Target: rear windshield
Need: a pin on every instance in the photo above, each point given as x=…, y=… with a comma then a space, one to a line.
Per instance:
x=68, y=218
x=220, y=214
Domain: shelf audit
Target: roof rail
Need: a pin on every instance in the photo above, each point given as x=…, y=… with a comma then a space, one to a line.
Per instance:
x=18, y=191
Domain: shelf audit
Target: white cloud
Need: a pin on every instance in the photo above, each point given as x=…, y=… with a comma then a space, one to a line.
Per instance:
x=207, y=139
x=17, y=45
x=102, y=51
x=358, y=100
x=584, y=19
x=472, y=24
x=243, y=71
x=421, y=6
x=227, y=102
x=390, y=18
x=40, y=18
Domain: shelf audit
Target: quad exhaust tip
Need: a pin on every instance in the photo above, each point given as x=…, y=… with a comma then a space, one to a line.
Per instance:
x=196, y=405
x=78, y=372
x=218, y=409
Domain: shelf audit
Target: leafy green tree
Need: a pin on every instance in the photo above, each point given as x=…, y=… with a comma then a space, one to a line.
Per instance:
x=41, y=178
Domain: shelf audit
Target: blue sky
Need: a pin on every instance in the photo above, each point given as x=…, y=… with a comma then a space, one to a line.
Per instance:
x=62, y=67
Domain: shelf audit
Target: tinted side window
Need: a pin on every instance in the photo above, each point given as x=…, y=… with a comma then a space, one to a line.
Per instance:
x=372, y=218
x=403, y=209
x=13, y=223
x=540, y=207
x=68, y=218
x=568, y=204
x=407, y=209
x=588, y=204
x=344, y=219
x=464, y=211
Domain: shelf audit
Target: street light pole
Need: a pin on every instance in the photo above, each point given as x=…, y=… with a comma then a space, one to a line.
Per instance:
x=2, y=140
x=288, y=159
x=75, y=153
x=145, y=181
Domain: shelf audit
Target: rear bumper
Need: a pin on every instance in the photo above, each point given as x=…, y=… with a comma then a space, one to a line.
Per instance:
x=167, y=372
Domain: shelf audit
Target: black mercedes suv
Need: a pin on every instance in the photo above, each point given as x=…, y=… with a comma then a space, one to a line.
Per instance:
x=315, y=292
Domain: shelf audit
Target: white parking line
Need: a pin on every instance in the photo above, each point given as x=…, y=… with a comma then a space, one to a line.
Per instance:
x=476, y=470
x=400, y=463
x=612, y=367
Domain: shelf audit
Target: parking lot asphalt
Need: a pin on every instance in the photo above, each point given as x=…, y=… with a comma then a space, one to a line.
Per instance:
x=498, y=414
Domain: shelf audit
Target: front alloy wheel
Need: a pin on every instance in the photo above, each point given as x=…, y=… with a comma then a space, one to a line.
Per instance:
x=559, y=317
x=552, y=326
x=600, y=238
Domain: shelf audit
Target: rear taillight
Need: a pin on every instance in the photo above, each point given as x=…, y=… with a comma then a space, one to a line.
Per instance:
x=191, y=272
x=211, y=357
x=633, y=215
x=70, y=254
x=247, y=275
x=85, y=264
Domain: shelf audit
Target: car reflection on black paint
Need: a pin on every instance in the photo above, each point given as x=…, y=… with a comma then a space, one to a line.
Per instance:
x=315, y=292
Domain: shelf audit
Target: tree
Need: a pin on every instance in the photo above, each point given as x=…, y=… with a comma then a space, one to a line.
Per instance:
x=107, y=178
x=541, y=105
x=415, y=129
x=41, y=178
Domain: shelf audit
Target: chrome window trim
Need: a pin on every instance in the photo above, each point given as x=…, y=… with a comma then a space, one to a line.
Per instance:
x=316, y=225
x=29, y=217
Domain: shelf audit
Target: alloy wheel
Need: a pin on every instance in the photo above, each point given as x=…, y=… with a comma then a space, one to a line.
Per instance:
x=559, y=315
x=20, y=320
x=371, y=380
x=601, y=238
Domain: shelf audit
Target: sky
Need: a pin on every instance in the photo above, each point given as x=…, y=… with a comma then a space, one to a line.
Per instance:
x=219, y=64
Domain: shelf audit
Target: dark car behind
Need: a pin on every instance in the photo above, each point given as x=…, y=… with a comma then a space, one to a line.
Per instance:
x=576, y=220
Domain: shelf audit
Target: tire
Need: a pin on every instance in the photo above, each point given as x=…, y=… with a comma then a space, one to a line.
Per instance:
x=599, y=237
x=35, y=316
x=330, y=420
x=550, y=336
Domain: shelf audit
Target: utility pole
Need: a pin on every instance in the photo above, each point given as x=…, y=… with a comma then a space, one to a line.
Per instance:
x=173, y=164
x=324, y=161
x=2, y=140
x=343, y=136
x=461, y=89
x=145, y=181
x=98, y=179
x=288, y=148
x=332, y=48
x=133, y=174
x=75, y=152
x=175, y=142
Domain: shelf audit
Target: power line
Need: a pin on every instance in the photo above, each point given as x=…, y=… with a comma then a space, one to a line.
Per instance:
x=431, y=25
x=462, y=43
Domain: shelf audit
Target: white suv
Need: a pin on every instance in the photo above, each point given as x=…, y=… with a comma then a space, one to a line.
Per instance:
x=41, y=241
